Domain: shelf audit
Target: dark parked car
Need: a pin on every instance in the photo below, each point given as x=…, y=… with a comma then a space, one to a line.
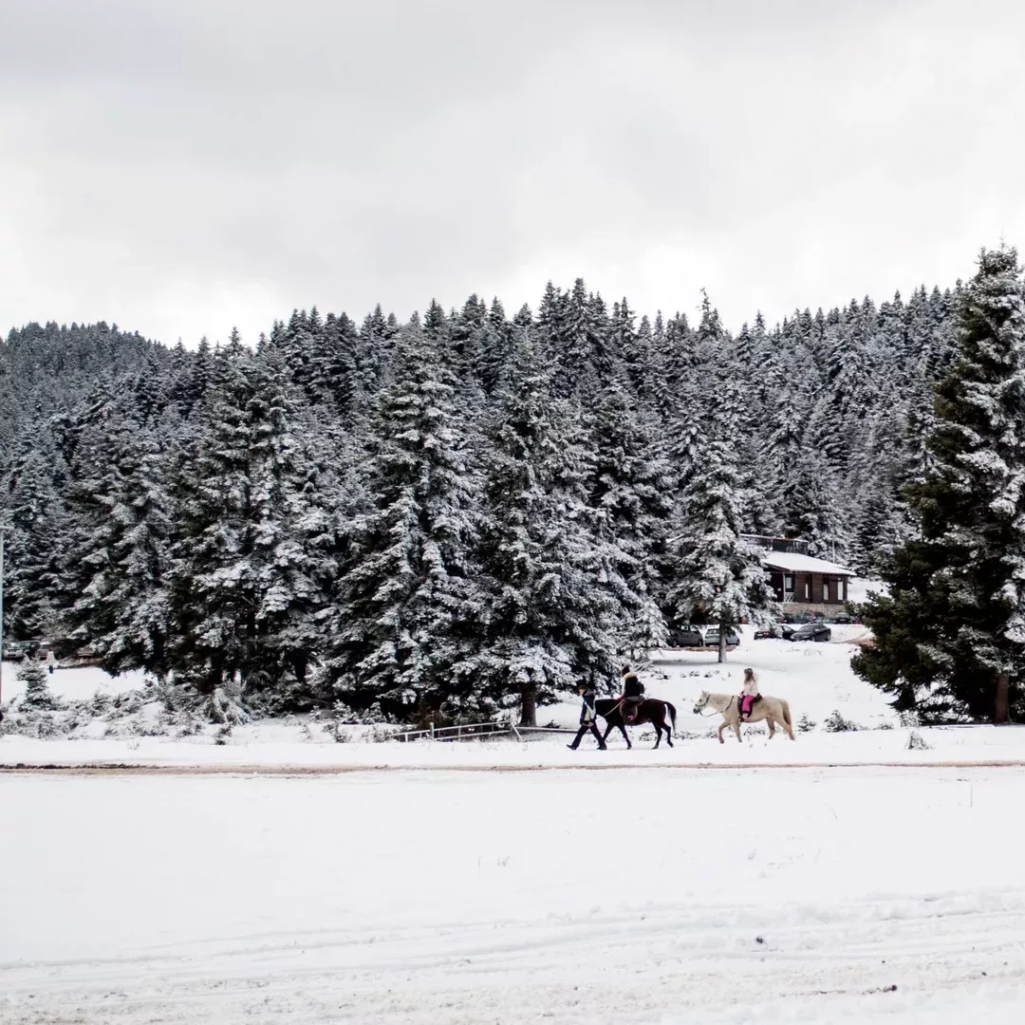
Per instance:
x=811, y=632
x=843, y=617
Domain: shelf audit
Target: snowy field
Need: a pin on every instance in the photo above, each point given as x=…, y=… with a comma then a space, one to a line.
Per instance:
x=255, y=881
x=634, y=896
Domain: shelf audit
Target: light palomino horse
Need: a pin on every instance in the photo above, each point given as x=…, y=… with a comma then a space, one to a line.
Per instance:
x=775, y=711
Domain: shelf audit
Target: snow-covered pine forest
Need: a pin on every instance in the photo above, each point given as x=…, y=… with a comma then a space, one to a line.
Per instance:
x=446, y=515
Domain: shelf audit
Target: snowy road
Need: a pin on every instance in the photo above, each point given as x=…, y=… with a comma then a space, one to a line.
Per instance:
x=621, y=896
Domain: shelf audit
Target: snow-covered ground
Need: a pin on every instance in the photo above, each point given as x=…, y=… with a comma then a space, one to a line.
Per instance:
x=644, y=896
x=76, y=684
x=238, y=886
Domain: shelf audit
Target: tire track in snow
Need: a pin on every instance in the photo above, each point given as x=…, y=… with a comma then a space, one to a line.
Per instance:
x=704, y=960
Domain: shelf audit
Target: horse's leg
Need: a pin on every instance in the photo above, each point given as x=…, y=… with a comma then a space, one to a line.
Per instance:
x=669, y=734
x=725, y=723
x=772, y=726
x=736, y=728
x=608, y=730
x=626, y=736
x=658, y=732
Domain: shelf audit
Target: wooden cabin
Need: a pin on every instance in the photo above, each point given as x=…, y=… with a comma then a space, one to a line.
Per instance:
x=803, y=583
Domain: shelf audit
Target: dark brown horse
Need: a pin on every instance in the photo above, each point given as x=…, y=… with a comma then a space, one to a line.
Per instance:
x=651, y=710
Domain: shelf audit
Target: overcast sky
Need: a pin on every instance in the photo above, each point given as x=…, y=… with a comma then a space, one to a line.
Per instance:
x=180, y=166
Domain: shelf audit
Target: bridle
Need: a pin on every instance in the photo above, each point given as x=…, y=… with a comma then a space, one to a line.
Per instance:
x=717, y=711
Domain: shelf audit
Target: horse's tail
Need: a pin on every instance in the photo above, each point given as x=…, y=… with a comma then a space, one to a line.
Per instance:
x=786, y=713
x=672, y=714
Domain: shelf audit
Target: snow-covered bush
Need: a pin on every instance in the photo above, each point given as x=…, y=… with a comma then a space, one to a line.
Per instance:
x=916, y=742
x=836, y=723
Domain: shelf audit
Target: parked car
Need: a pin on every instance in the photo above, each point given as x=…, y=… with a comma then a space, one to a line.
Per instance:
x=686, y=637
x=16, y=651
x=843, y=617
x=780, y=630
x=811, y=632
x=712, y=638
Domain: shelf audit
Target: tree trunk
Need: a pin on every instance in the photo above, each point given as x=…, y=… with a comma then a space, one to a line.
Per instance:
x=1000, y=711
x=528, y=704
x=722, y=642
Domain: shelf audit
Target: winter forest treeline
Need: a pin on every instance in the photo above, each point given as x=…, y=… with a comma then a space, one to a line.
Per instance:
x=465, y=511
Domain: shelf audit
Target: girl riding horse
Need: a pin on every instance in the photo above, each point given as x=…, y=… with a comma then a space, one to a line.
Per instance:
x=748, y=694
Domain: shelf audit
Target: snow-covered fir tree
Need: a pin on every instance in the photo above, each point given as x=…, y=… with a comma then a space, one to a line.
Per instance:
x=630, y=498
x=549, y=619
x=37, y=693
x=241, y=590
x=721, y=578
x=119, y=557
x=407, y=611
x=950, y=636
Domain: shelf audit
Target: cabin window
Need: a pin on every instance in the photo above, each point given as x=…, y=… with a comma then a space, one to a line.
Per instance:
x=807, y=590
x=825, y=590
x=788, y=584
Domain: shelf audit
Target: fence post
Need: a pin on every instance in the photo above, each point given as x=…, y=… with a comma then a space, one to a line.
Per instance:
x=432, y=731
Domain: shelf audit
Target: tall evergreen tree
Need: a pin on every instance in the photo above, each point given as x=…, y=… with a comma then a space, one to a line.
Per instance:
x=119, y=560
x=629, y=496
x=407, y=604
x=549, y=620
x=722, y=579
x=950, y=636
x=241, y=591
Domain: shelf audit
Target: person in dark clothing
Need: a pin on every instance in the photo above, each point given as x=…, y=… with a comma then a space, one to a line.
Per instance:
x=587, y=716
x=633, y=693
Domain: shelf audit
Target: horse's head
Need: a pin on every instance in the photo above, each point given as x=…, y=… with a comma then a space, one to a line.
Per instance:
x=701, y=701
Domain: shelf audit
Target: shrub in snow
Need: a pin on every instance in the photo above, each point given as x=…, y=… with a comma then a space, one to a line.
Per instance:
x=916, y=742
x=836, y=723
x=804, y=724
x=130, y=703
x=338, y=734
x=127, y=727
x=40, y=724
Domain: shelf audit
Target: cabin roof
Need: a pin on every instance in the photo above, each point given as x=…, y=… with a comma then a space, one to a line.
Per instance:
x=804, y=564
